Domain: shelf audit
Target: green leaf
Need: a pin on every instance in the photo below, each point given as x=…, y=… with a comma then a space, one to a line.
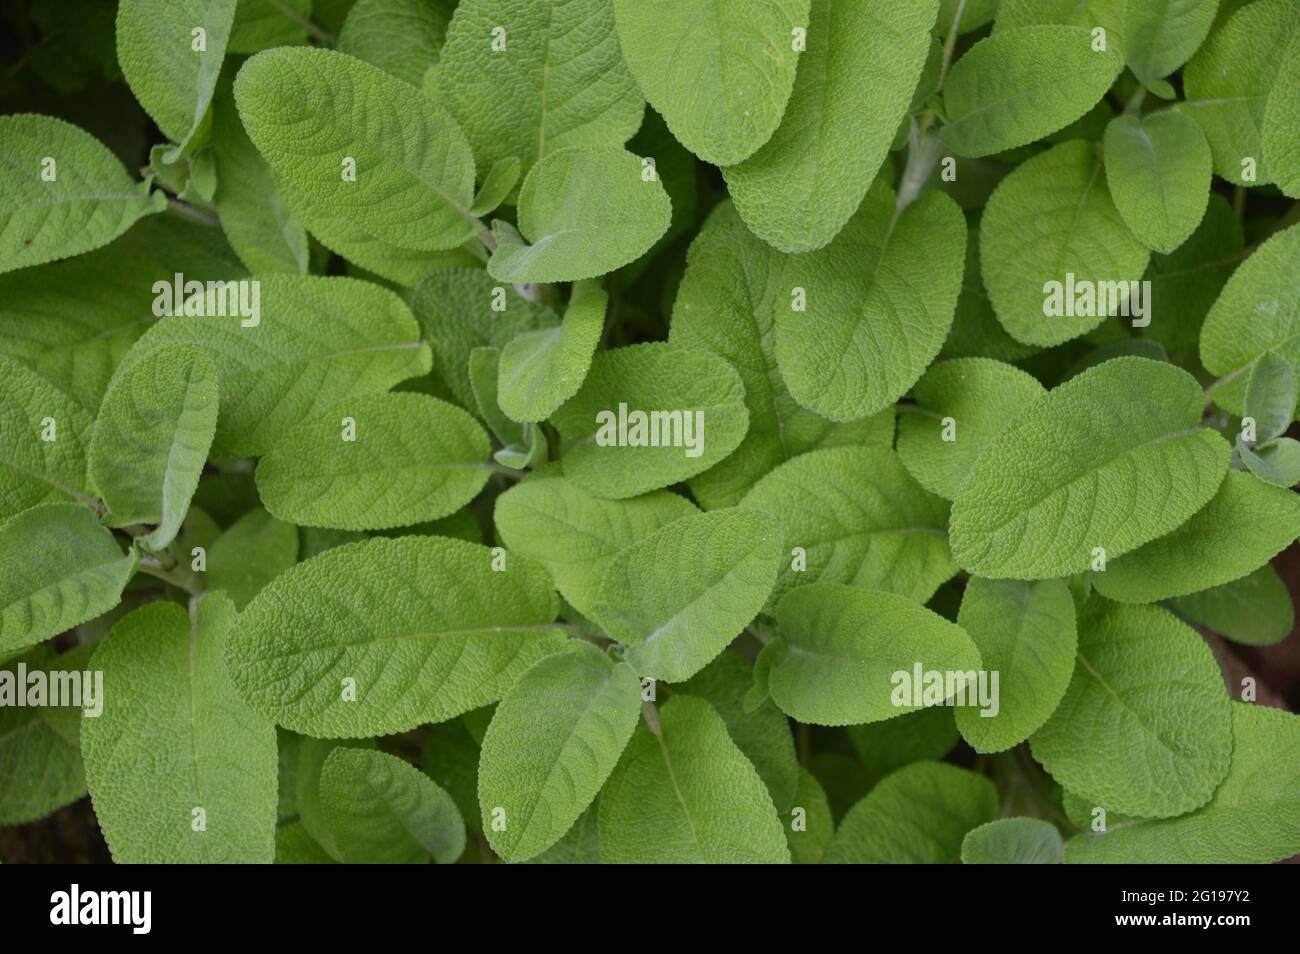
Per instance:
x=451, y=759
x=316, y=342
x=853, y=87
x=257, y=221
x=311, y=110
x=497, y=186
x=1026, y=633
x=961, y=405
x=1227, y=84
x=884, y=747
x=58, y=568
x=727, y=303
x=880, y=301
x=1144, y=727
x=1281, y=119
x=650, y=415
x=918, y=815
x=401, y=37
x=1160, y=35
x=65, y=192
x=808, y=842
x=857, y=517
x=1277, y=464
x=1013, y=841
x=1110, y=459
x=173, y=728
x=1258, y=311
x=260, y=24
x=1243, y=526
x=43, y=439
x=1158, y=171
x=540, y=370
x=383, y=460
x=559, y=81
x=552, y=742
x=1270, y=397
x=1255, y=610
x=583, y=211
x=152, y=438
x=454, y=635
x=1252, y=818
x=1050, y=219
x=170, y=52
x=720, y=74
x=550, y=519
x=762, y=734
x=252, y=552
x=678, y=597
x=523, y=445
x=382, y=810
x=685, y=794
x=845, y=648
x=294, y=846
x=1020, y=85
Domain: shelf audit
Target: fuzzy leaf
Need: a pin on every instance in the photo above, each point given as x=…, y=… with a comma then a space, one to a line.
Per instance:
x=1282, y=119
x=401, y=37
x=1013, y=841
x=1160, y=35
x=540, y=370
x=253, y=551
x=1255, y=610
x=1270, y=396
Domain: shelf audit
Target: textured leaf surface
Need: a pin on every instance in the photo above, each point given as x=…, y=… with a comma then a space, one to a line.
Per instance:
x=884, y=747
x=1020, y=85
x=308, y=110
x=853, y=86
x=1270, y=396
x=401, y=37
x=1145, y=726
x=560, y=81
x=540, y=370
x=1255, y=610
x=1051, y=218
x=860, y=519
x=91, y=201
x=151, y=440
x=843, y=647
x=918, y=815
x=174, y=738
x=252, y=552
x=382, y=810
x=1013, y=841
x=552, y=520
x=677, y=597
x=58, y=568
x=552, y=742
x=981, y=397
x=878, y=307
x=583, y=211
x=1025, y=632
x=454, y=636
x=1160, y=35
x=1112, y=458
x=319, y=341
x=656, y=377
x=1252, y=818
x=411, y=458
x=720, y=73
x=1158, y=172
x=688, y=796
x=265, y=23
x=1282, y=119
x=156, y=48
x=1243, y=526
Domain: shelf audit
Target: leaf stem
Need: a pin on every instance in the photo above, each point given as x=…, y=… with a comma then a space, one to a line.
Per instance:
x=950, y=45
x=1134, y=105
x=191, y=212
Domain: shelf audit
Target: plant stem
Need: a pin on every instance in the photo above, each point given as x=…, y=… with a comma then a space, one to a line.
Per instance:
x=950, y=45
x=191, y=212
x=1134, y=104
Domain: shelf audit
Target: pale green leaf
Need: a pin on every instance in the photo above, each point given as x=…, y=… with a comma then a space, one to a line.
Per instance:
x=497, y=185
x=180, y=769
x=1281, y=132
x=720, y=73
x=1110, y=459
x=1277, y=463
x=552, y=742
x=1013, y=841
x=540, y=370
x=253, y=551
x=853, y=87
x=808, y=842
x=1270, y=396
x=685, y=794
x=845, y=647
x=583, y=211
x=1026, y=633
x=260, y=24
x=523, y=445
x=58, y=568
x=151, y=440
x=401, y=37
x=1255, y=610
x=383, y=460
x=1144, y=727
x=454, y=635
x=1160, y=35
